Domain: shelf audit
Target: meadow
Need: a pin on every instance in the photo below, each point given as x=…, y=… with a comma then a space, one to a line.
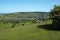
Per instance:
x=28, y=32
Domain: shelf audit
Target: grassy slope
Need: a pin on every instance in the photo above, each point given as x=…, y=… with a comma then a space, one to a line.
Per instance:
x=5, y=26
x=29, y=32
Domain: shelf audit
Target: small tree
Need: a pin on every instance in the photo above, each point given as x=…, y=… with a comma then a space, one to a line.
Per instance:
x=55, y=15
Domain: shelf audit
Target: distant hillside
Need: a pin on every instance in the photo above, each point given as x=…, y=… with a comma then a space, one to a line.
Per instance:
x=24, y=13
x=24, y=16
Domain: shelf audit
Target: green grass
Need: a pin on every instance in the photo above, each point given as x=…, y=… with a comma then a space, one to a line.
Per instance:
x=6, y=25
x=29, y=32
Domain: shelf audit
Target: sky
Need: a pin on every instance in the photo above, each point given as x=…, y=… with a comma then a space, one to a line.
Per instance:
x=10, y=6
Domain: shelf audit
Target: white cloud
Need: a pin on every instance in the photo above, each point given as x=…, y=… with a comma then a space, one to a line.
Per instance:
x=29, y=6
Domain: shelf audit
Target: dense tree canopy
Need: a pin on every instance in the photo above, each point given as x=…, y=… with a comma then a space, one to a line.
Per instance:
x=55, y=15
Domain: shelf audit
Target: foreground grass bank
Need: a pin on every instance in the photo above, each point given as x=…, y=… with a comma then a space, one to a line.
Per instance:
x=29, y=32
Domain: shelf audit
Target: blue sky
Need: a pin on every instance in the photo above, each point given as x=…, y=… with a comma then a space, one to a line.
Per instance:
x=9, y=6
